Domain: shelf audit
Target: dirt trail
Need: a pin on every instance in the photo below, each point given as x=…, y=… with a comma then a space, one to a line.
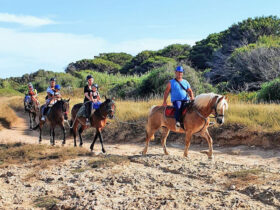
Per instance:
x=154, y=181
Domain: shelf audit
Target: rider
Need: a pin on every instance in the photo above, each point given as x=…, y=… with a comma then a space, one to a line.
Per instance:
x=31, y=94
x=57, y=95
x=50, y=96
x=178, y=87
x=88, y=100
x=95, y=96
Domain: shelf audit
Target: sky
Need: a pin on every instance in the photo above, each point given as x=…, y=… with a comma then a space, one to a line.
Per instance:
x=51, y=34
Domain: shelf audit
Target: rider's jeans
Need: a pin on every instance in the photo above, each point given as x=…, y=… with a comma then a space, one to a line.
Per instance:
x=178, y=105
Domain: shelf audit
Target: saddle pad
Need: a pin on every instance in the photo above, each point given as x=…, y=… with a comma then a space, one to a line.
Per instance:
x=170, y=111
x=81, y=112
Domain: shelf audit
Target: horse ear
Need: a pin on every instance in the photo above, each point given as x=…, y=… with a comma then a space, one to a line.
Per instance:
x=105, y=97
x=68, y=99
x=226, y=97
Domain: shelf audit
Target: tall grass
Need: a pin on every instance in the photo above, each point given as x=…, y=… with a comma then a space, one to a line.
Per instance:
x=8, y=117
x=258, y=117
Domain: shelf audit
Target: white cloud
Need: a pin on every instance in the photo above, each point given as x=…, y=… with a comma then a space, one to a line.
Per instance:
x=25, y=52
x=25, y=20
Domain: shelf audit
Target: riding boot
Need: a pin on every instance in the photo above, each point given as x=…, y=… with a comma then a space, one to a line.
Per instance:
x=88, y=107
x=43, y=114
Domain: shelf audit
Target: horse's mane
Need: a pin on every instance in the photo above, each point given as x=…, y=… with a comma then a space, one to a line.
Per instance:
x=204, y=99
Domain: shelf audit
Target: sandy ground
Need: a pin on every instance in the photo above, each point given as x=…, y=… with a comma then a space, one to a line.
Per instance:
x=154, y=181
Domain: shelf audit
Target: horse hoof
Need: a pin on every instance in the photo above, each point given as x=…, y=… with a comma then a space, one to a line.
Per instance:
x=81, y=145
x=103, y=151
x=211, y=158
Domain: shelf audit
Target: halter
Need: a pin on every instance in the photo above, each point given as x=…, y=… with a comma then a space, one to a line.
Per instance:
x=107, y=110
x=206, y=118
x=216, y=112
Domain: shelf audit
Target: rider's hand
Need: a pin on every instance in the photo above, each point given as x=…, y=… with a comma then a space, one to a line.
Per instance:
x=164, y=103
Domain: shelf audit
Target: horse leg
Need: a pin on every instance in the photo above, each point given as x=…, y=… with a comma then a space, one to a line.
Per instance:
x=64, y=134
x=40, y=132
x=30, y=121
x=165, y=132
x=209, y=140
x=101, y=141
x=81, y=129
x=93, y=142
x=75, y=129
x=149, y=135
x=53, y=134
x=187, y=143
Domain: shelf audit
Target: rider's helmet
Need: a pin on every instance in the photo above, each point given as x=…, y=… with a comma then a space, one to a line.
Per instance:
x=95, y=85
x=89, y=77
x=57, y=87
x=30, y=85
x=52, y=79
x=179, y=69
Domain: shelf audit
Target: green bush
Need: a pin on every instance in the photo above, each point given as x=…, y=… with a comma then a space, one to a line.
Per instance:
x=270, y=91
x=118, y=58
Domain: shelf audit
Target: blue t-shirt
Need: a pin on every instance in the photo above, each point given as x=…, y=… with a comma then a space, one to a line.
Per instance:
x=177, y=92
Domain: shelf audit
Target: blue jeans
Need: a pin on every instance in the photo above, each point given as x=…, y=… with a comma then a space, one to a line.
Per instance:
x=178, y=109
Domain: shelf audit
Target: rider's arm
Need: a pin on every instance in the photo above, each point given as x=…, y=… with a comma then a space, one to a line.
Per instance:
x=166, y=93
x=190, y=92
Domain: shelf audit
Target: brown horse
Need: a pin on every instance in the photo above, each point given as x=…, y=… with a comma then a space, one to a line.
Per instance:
x=97, y=120
x=32, y=110
x=196, y=120
x=56, y=116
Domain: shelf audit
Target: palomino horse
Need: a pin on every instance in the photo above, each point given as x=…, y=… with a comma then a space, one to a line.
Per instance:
x=196, y=120
x=56, y=116
x=32, y=110
x=97, y=120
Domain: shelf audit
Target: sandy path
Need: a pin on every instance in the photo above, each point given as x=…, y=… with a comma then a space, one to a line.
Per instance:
x=238, y=155
x=154, y=181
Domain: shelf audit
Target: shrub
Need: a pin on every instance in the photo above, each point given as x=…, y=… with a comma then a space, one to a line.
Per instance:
x=270, y=91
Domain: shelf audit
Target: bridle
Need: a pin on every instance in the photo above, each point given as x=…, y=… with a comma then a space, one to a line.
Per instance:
x=206, y=118
x=108, y=110
x=215, y=109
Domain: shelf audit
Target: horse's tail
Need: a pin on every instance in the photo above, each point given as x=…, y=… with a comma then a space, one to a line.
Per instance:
x=71, y=127
x=36, y=127
x=148, y=126
x=151, y=109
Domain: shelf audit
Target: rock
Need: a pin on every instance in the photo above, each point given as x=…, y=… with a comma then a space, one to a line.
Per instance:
x=232, y=187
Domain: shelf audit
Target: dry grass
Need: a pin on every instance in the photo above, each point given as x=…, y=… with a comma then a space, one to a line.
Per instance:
x=8, y=117
x=245, y=177
x=108, y=161
x=39, y=155
x=258, y=117
x=45, y=202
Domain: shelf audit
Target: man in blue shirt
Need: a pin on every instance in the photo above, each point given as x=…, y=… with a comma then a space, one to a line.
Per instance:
x=180, y=90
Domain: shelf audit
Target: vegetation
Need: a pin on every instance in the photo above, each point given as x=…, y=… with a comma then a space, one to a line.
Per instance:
x=19, y=153
x=270, y=91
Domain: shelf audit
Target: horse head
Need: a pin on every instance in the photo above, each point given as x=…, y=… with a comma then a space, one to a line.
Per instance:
x=107, y=108
x=211, y=103
x=65, y=107
x=219, y=106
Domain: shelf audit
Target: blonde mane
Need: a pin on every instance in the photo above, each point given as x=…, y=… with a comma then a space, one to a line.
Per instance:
x=204, y=99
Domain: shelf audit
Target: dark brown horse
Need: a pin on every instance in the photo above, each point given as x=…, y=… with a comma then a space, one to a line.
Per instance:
x=31, y=108
x=97, y=120
x=55, y=116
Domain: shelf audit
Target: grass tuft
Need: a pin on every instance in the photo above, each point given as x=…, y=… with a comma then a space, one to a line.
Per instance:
x=19, y=153
x=45, y=202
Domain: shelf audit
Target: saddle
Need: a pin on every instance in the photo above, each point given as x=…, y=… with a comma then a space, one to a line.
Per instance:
x=170, y=110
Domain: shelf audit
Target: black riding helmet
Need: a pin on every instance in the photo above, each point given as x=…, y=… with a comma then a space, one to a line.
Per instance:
x=52, y=79
x=95, y=85
x=89, y=77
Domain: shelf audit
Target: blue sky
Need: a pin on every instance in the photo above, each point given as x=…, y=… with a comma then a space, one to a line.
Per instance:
x=51, y=34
